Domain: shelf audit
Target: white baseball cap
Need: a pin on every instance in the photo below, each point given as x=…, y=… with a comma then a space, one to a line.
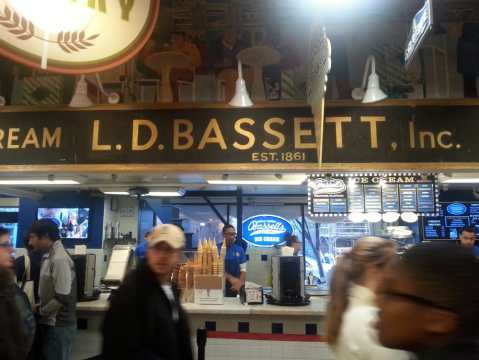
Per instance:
x=168, y=233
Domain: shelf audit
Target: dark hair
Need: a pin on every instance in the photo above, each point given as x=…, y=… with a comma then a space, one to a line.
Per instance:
x=26, y=242
x=228, y=226
x=447, y=275
x=350, y=269
x=4, y=231
x=290, y=239
x=468, y=229
x=45, y=227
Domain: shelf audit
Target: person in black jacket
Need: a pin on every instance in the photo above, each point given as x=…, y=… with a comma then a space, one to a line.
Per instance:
x=145, y=320
x=429, y=303
x=17, y=325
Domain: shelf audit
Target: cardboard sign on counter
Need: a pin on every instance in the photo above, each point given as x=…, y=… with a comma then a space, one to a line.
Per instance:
x=209, y=289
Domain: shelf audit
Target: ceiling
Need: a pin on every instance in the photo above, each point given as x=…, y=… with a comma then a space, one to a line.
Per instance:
x=123, y=182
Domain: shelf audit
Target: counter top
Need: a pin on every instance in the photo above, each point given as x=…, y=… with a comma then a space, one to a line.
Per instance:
x=232, y=306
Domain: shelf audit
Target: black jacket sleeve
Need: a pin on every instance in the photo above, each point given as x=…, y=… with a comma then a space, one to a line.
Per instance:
x=13, y=343
x=122, y=330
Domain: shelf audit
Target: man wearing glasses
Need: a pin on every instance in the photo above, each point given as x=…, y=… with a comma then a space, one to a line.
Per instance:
x=429, y=303
x=16, y=318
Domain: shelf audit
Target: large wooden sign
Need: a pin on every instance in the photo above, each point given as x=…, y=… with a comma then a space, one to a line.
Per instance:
x=75, y=36
x=261, y=138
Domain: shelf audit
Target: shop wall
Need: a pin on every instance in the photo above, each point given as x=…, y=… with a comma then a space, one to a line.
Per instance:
x=120, y=211
x=450, y=195
x=28, y=214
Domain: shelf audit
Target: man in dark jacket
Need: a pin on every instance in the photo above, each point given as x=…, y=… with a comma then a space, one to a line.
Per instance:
x=17, y=324
x=146, y=320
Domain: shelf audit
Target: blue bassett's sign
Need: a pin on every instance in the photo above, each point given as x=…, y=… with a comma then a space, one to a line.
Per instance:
x=456, y=209
x=266, y=230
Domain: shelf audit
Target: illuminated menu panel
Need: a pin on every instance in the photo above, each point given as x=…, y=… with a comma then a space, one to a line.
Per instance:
x=356, y=198
x=369, y=193
x=372, y=197
x=390, y=197
x=426, y=198
x=455, y=216
x=408, y=197
x=338, y=205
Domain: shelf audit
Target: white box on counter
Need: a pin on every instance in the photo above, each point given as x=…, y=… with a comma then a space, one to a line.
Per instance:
x=209, y=289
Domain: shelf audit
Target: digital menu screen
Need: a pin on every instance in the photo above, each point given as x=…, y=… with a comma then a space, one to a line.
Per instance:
x=452, y=218
x=372, y=193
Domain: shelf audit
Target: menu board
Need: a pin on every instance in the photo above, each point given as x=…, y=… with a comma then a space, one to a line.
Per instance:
x=452, y=218
x=372, y=193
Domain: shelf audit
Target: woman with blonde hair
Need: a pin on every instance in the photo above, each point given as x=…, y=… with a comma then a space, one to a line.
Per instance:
x=352, y=311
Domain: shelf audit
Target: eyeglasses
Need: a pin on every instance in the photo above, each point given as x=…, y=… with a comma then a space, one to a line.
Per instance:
x=7, y=245
x=230, y=234
x=415, y=299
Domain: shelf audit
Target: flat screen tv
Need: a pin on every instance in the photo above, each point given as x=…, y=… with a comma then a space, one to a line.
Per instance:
x=72, y=222
x=453, y=217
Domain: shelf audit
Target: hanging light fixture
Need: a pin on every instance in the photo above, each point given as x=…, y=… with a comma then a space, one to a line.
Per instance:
x=241, y=97
x=373, y=90
x=80, y=98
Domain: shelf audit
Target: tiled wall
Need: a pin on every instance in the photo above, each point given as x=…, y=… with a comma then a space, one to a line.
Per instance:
x=227, y=349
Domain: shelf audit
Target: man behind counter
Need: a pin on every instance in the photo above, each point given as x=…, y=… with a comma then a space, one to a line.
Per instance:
x=235, y=262
x=467, y=239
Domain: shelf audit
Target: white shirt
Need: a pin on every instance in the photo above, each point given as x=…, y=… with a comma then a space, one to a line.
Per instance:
x=171, y=297
x=357, y=338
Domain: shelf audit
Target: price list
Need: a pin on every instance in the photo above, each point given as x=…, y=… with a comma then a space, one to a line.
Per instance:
x=434, y=229
x=356, y=199
x=372, y=196
x=338, y=205
x=321, y=205
x=408, y=197
x=425, y=198
x=390, y=197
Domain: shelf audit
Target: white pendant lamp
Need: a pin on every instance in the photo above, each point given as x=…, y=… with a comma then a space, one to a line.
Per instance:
x=241, y=97
x=80, y=98
x=373, y=90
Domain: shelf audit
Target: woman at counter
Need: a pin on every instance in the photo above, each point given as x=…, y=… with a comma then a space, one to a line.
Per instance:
x=352, y=309
x=235, y=262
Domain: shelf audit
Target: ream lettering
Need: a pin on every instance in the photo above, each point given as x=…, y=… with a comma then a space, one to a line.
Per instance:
x=269, y=130
x=2, y=135
x=31, y=139
x=135, y=140
x=96, y=146
x=13, y=137
x=299, y=133
x=373, y=128
x=247, y=134
x=212, y=135
x=49, y=139
x=338, y=123
x=184, y=134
